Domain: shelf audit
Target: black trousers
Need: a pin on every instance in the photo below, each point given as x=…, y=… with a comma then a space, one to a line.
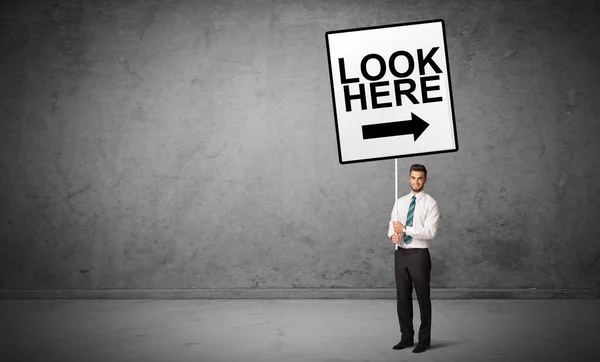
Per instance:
x=413, y=267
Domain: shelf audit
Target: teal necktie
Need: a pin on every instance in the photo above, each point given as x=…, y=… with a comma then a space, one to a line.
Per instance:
x=409, y=219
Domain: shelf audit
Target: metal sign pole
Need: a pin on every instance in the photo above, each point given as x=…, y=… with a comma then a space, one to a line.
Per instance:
x=396, y=189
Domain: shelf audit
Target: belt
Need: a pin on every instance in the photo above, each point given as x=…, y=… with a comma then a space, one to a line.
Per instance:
x=407, y=249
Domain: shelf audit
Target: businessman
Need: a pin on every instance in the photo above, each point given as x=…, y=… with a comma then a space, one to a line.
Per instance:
x=413, y=224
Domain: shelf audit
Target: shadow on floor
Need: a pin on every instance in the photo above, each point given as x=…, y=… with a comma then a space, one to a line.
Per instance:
x=435, y=344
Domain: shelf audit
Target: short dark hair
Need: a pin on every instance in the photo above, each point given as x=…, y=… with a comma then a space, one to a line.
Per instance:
x=419, y=168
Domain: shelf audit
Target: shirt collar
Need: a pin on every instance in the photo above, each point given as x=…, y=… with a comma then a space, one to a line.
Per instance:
x=419, y=196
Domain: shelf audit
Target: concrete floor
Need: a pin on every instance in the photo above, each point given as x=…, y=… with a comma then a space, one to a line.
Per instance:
x=293, y=330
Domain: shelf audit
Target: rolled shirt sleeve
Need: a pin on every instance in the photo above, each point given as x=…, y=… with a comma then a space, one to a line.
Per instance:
x=393, y=217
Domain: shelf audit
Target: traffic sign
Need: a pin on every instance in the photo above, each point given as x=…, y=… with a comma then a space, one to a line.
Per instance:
x=391, y=91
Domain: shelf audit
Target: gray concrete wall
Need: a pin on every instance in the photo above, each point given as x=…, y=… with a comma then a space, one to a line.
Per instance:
x=191, y=144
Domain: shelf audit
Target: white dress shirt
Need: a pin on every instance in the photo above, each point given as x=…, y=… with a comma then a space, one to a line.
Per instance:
x=425, y=220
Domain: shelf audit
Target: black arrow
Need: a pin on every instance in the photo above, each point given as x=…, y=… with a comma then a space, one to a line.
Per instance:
x=414, y=126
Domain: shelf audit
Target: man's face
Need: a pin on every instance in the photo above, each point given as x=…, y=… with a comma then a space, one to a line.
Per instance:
x=417, y=180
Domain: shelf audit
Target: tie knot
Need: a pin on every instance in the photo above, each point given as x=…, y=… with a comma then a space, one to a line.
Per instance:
x=414, y=198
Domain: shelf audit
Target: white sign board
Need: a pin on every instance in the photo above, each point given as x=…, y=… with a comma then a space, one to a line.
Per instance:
x=391, y=91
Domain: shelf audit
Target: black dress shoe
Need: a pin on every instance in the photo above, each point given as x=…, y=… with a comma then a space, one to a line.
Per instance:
x=421, y=347
x=403, y=344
